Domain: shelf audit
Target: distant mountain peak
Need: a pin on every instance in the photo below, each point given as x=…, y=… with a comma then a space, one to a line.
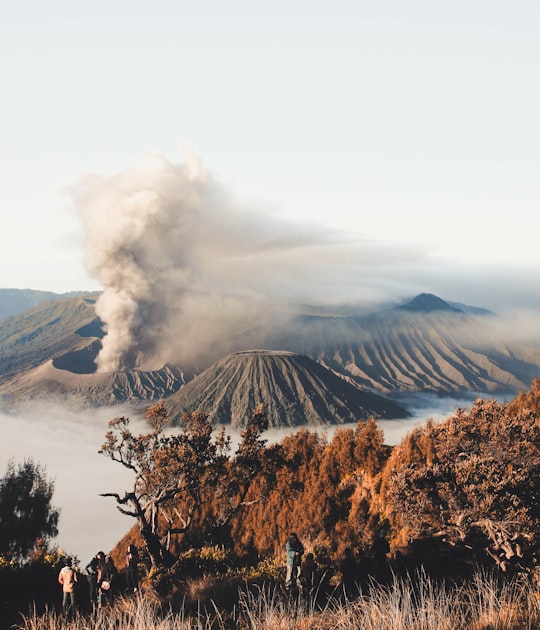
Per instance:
x=427, y=303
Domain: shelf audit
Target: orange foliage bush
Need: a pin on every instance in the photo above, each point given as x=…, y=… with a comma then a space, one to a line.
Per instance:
x=467, y=486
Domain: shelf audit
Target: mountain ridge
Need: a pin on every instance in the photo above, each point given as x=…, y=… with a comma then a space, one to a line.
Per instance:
x=429, y=347
x=427, y=303
x=13, y=301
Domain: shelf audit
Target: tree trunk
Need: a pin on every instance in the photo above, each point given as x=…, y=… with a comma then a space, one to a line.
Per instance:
x=159, y=556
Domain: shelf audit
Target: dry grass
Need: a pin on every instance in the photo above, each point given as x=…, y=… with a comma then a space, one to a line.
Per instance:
x=482, y=604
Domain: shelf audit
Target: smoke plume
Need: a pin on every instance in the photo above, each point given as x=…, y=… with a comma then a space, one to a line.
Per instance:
x=185, y=269
x=158, y=237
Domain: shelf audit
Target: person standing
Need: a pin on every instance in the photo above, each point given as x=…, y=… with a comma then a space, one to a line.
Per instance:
x=294, y=550
x=132, y=576
x=349, y=574
x=107, y=573
x=92, y=578
x=68, y=579
x=379, y=553
x=308, y=570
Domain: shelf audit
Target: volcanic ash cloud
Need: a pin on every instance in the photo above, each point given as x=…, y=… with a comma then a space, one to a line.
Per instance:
x=143, y=229
x=180, y=266
x=186, y=271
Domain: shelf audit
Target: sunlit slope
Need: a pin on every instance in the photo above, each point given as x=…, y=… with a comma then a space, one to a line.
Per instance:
x=48, y=352
x=294, y=389
x=87, y=390
x=440, y=352
x=14, y=301
x=425, y=345
x=46, y=331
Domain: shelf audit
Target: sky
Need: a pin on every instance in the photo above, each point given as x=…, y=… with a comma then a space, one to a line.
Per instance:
x=407, y=131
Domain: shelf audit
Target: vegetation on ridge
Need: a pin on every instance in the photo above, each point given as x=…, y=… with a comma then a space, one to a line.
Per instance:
x=465, y=490
x=450, y=499
x=26, y=513
x=177, y=476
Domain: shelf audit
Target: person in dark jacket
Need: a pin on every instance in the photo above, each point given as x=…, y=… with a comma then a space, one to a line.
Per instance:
x=379, y=553
x=349, y=574
x=106, y=577
x=308, y=570
x=294, y=550
x=132, y=569
x=91, y=570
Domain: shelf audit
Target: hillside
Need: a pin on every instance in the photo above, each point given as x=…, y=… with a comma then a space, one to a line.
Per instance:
x=294, y=389
x=48, y=352
x=451, y=497
x=425, y=345
x=45, y=332
x=13, y=301
x=89, y=390
x=442, y=350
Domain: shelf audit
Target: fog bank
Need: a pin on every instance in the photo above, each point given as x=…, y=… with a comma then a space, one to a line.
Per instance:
x=66, y=443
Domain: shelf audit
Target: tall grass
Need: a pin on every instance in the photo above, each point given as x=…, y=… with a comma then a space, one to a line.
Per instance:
x=133, y=614
x=406, y=604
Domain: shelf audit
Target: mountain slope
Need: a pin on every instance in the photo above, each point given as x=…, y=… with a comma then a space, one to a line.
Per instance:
x=442, y=353
x=91, y=390
x=14, y=301
x=48, y=352
x=419, y=348
x=426, y=345
x=427, y=303
x=294, y=389
x=46, y=331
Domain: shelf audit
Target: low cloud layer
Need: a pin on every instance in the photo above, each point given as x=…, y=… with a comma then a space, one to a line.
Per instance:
x=66, y=444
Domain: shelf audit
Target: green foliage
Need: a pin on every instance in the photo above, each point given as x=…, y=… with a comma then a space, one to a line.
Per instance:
x=267, y=570
x=26, y=513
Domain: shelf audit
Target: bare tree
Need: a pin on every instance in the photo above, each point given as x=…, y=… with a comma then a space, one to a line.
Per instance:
x=178, y=476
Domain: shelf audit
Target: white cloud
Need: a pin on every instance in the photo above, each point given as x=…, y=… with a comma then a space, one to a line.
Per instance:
x=66, y=443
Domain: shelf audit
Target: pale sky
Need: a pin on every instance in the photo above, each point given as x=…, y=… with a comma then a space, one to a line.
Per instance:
x=411, y=124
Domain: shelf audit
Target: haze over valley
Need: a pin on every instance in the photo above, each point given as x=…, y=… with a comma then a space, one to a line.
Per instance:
x=52, y=351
